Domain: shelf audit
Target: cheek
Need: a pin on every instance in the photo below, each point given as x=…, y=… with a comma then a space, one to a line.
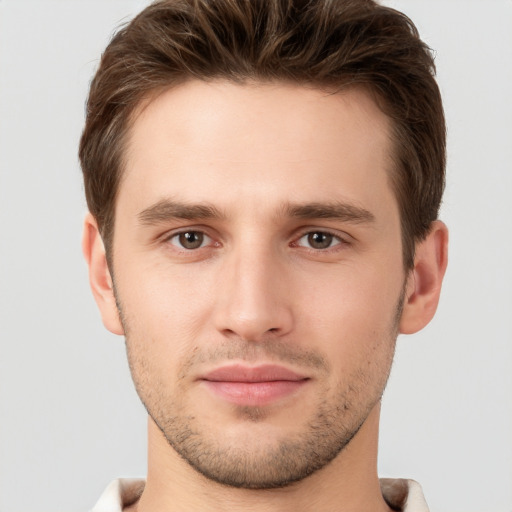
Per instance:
x=169, y=300
x=353, y=296
x=353, y=314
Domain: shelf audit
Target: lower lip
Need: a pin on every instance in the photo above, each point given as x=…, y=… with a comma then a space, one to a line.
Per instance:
x=255, y=394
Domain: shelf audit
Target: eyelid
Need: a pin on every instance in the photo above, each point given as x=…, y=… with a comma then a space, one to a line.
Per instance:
x=343, y=238
x=205, y=242
x=169, y=235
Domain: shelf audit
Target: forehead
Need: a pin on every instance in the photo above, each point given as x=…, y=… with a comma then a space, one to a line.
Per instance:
x=225, y=143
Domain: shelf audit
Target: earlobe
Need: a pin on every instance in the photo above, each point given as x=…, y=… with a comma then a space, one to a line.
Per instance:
x=425, y=279
x=100, y=279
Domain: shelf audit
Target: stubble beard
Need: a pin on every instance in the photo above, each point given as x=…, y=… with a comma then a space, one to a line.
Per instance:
x=252, y=464
x=255, y=463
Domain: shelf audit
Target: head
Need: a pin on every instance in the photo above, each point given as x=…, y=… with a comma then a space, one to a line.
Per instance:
x=264, y=180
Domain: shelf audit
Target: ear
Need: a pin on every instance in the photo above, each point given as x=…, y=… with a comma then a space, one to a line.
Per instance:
x=99, y=275
x=424, y=282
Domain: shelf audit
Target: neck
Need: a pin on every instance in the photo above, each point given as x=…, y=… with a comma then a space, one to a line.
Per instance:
x=348, y=484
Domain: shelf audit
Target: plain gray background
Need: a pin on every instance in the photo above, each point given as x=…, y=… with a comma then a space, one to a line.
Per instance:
x=69, y=418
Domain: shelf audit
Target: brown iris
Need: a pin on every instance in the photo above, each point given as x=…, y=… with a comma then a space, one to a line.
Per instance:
x=319, y=240
x=191, y=239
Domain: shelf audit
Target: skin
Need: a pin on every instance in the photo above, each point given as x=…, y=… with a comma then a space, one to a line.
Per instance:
x=262, y=172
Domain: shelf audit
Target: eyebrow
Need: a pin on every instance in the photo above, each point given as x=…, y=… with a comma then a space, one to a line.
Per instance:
x=342, y=211
x=167, y=209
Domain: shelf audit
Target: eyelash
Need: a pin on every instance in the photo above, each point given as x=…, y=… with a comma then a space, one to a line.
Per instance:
x=336, y=242
x=183, y=233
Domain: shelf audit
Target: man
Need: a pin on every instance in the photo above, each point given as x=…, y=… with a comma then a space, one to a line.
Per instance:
x=264, y=180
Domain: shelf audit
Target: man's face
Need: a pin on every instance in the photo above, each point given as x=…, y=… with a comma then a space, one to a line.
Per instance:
x=257, y=264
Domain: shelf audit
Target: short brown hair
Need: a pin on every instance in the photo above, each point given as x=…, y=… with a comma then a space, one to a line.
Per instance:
x=324, y=43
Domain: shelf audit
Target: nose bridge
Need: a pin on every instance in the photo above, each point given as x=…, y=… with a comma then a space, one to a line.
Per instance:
x=252, y=300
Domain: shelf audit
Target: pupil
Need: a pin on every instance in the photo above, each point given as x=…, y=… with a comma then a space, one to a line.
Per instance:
x=320, y=240
x=191, y=239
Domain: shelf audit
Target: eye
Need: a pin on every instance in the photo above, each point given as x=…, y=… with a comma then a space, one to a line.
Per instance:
x=318, y=240
x=190, y=240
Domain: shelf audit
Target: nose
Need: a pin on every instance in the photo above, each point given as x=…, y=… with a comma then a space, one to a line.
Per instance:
x=253, y=298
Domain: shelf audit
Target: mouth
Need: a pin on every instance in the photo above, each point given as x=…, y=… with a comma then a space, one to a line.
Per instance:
x=253, y=386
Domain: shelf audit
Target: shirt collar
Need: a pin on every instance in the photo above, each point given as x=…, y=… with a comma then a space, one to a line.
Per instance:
x=400, y=494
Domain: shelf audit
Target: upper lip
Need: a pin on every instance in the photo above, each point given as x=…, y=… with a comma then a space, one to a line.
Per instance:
x=262, y=373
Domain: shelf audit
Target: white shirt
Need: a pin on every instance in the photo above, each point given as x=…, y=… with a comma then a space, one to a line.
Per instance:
x=404, y=495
